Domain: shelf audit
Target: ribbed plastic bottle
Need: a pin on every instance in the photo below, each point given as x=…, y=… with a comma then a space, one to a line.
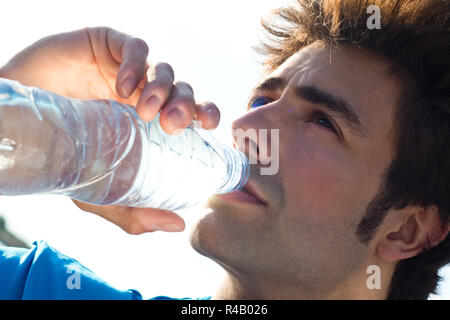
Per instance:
x=101, y=152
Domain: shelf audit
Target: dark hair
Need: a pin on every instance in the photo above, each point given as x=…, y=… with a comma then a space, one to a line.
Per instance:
x=415, y=37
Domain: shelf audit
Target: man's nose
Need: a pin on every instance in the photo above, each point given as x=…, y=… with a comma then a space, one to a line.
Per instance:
x=254, y=134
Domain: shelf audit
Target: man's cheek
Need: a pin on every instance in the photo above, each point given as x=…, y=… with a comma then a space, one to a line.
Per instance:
x=321, y=189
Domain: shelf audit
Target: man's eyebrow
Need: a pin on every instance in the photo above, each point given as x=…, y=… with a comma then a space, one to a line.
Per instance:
x=334, y=104
x=271, y=84
x=315, y=95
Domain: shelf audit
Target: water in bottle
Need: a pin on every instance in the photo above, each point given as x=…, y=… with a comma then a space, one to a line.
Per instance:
x=101, y=152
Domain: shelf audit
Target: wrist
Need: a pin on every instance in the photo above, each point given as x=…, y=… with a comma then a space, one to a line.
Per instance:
x=2, y=73
x=6, y=72
x=15, y=72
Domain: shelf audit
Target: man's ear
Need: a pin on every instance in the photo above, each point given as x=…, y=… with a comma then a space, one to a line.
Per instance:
x=422, y=230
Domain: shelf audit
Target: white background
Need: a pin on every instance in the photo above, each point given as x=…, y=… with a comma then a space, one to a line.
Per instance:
x=209, y=44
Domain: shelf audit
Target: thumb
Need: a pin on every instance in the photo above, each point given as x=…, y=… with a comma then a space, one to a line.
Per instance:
x=136, y=220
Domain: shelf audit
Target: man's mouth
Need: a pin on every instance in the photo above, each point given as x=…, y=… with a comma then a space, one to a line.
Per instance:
x=248, y=195
x=252, y=191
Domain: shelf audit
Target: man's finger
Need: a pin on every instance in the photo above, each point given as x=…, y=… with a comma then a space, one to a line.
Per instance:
x=179, y=110
x=156, y=92
x=208, y=114
x=132, y=55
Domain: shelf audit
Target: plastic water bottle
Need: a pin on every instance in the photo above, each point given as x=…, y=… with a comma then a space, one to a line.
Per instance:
x=101, y=152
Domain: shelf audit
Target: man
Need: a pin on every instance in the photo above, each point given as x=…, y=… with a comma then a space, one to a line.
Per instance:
x=364, y=127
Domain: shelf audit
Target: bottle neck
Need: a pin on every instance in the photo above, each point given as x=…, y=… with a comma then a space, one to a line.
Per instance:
x=238, y=170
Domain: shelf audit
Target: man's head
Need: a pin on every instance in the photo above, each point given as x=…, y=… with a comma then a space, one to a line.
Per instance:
x=364, y=128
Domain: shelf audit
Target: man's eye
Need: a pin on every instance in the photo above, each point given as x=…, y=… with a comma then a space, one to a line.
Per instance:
x=258, y=102
x=324, y=121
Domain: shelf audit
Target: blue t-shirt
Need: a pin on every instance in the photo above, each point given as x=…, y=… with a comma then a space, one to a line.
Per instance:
x=43, y=273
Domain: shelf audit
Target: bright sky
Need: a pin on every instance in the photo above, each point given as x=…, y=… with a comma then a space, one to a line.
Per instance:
x=208, y=43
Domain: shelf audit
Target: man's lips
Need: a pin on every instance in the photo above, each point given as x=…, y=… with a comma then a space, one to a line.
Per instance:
x=251, y=190
x=246, y=195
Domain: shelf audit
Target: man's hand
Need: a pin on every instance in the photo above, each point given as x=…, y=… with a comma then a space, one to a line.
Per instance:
x=101, y=63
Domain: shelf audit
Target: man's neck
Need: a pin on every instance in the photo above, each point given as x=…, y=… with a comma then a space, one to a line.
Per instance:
x=234, y=289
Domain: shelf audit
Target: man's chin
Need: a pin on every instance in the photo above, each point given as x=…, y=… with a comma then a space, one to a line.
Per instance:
x=204, y=237
x=216, y=228
x=224, y=225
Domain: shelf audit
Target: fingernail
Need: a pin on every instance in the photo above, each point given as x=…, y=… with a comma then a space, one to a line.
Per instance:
x=153, y=103
x=211, y=111
x=176, y=117
x=128, y=85
x=169, y=227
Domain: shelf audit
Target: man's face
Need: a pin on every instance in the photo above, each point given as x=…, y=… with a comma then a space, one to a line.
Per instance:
x=334, y=111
